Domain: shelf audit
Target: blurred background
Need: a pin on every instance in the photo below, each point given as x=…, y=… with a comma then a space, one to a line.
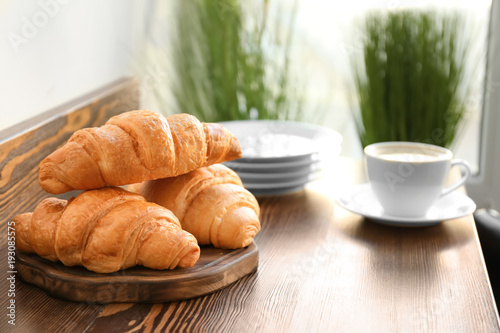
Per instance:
x=278, y=59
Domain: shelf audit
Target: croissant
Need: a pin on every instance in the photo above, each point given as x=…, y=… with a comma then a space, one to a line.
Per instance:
x=210, y=203
x=106, y=230
x=133, y=147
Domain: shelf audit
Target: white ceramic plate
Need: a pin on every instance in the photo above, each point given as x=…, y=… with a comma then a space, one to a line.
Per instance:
x=295, y=166
x=287, y=183
x=277, y=191
x=276, y=141
x=262, y=176
x=360, y=199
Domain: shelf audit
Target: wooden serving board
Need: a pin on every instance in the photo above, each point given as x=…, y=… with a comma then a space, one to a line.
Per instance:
x=215, y=269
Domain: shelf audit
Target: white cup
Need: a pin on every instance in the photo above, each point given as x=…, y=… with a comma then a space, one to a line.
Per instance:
x=408, y=177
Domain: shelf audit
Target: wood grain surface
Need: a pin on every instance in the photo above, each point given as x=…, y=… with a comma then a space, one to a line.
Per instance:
x=321, y=269
x=216, y=269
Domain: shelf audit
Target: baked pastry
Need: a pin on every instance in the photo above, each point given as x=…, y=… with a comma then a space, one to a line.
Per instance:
x=106, y=230
x=210, y=202
x=133, y=147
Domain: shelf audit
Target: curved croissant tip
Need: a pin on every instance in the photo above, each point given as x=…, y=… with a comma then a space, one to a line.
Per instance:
x=47, y=176
x=191, y=257
x=247, y=235
x=235, y=149
x=243, y=239
x=22, y=222
x=241, y=226
x=51, y=184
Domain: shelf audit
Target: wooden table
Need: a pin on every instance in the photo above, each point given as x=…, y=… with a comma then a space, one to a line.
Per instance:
x=321, y=269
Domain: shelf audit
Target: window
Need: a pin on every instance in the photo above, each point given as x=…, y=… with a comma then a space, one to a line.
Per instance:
x=484, y=188
x=324, y=44
x=325, y=41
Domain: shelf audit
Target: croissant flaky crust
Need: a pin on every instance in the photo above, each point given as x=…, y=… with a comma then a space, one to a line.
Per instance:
x=133, y=147
x=210, y=202
x=106, y=230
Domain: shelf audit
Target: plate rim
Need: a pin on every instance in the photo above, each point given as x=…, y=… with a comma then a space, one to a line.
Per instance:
x=314, y=128
x=263, y=186
x=263, y=166
x=262, y=175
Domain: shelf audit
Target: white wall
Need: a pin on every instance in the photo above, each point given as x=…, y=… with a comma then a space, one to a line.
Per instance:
x=52, y=51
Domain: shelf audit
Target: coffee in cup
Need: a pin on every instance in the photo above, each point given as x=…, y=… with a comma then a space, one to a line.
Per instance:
x=408, y=177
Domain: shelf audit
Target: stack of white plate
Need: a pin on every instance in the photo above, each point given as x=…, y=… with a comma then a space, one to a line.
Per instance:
x=282, y=156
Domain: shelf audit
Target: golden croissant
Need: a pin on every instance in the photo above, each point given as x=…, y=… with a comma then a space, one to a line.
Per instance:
x=106, y=230
x=210, y=203
x=133, y=147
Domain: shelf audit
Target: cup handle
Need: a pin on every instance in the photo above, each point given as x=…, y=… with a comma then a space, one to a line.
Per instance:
x=467, y=172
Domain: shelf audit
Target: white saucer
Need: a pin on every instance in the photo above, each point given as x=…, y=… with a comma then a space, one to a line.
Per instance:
x=360, y=199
